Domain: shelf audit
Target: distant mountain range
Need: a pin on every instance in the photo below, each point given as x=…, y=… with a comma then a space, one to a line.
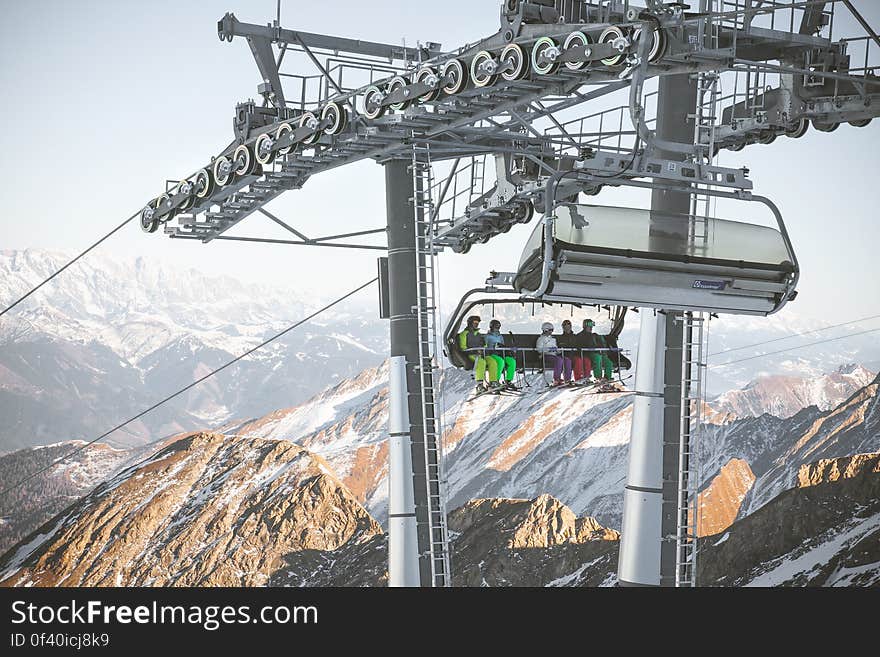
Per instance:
x=108, y=339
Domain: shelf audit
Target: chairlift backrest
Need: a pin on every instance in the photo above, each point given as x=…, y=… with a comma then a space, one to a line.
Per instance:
x=525, y=354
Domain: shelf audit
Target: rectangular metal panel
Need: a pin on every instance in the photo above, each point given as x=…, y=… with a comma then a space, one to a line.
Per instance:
x=384, y=299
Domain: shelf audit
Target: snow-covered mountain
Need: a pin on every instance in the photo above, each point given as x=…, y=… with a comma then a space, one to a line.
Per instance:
x=823, y=531
x=783, y=396
x=253, y=505
x=567, y=443
x=570, y=445
x=29, y=505
x=210, y=510
x=109, y=338
x=203, y=511
x=743, y=349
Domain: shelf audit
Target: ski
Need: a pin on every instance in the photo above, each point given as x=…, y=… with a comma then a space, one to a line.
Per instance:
x=496, y=391
x=609, y=391
x=598, y=384
x=610, y=388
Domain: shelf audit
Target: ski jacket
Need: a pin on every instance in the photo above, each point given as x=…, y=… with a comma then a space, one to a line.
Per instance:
x=494, y=340
x=567, y=340
x=546, y=344
x=468, y=339
x=590, y=339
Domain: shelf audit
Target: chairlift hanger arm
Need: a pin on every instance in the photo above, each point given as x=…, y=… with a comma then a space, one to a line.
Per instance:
x=261, y=47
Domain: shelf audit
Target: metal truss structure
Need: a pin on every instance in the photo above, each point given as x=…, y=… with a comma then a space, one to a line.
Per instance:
x=561, y=86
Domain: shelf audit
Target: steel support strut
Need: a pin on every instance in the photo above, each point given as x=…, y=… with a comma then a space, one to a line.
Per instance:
x=408, y=535
x=648, y=532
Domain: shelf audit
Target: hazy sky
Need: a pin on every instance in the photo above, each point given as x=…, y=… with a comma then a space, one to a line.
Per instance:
x=104, y=100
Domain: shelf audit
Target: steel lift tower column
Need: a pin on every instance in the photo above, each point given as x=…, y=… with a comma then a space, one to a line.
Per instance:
x=648, y=536
x=408, y=534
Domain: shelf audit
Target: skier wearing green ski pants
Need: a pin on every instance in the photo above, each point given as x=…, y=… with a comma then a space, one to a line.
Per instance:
x=498, y=363
x=471, y=338
x=603, y=368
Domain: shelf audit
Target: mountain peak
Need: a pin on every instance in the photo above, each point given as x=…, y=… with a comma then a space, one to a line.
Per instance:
x=207, y=510
x=785, y=395
x=537, y=523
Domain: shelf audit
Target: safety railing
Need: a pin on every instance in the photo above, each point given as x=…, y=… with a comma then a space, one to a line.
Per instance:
x=607, y=130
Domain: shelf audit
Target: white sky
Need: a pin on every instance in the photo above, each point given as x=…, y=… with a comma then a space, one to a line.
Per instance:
x=104, y=100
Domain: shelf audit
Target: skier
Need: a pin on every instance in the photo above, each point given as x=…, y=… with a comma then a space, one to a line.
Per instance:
x=547, y=347
x=572, y=347
x=498, y=363
x=471, y=338
x=603, y=367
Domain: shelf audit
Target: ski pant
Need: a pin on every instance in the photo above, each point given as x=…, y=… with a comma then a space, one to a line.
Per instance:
x=479, y=368
x=580, y=365
x=602, y=365
x=559, y=364
x=498, y=364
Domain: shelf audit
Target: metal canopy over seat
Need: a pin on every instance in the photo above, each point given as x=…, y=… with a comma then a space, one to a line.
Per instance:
x=635, y=257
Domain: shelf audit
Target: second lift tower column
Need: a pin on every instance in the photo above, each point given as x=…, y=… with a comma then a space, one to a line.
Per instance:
x=648, y=532
x=408, y=535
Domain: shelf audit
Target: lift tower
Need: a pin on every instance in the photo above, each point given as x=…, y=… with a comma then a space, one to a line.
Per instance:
x=520, y=120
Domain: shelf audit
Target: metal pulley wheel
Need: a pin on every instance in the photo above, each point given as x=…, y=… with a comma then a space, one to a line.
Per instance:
x=514, y=62
x=284, y=130
x=798, y=130
x=309, y=120
x=575, y=40
x=243, y=160
x=263, y=151
x=396, y=83
x=658, y=43
x=505, y=224
x=222, y=170
x=185, y=187
x=544, y=56
x=609, y=34
x=825, y=127
x=427, y=75
x=373, y=102
x=335, y=116
x=523, y=212
x=484, y=69
x=455, y=76
x=149, y=223
x=203, y=183
x=164, y=202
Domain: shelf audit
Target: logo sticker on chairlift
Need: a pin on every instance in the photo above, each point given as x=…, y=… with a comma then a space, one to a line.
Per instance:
x=709, y=285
